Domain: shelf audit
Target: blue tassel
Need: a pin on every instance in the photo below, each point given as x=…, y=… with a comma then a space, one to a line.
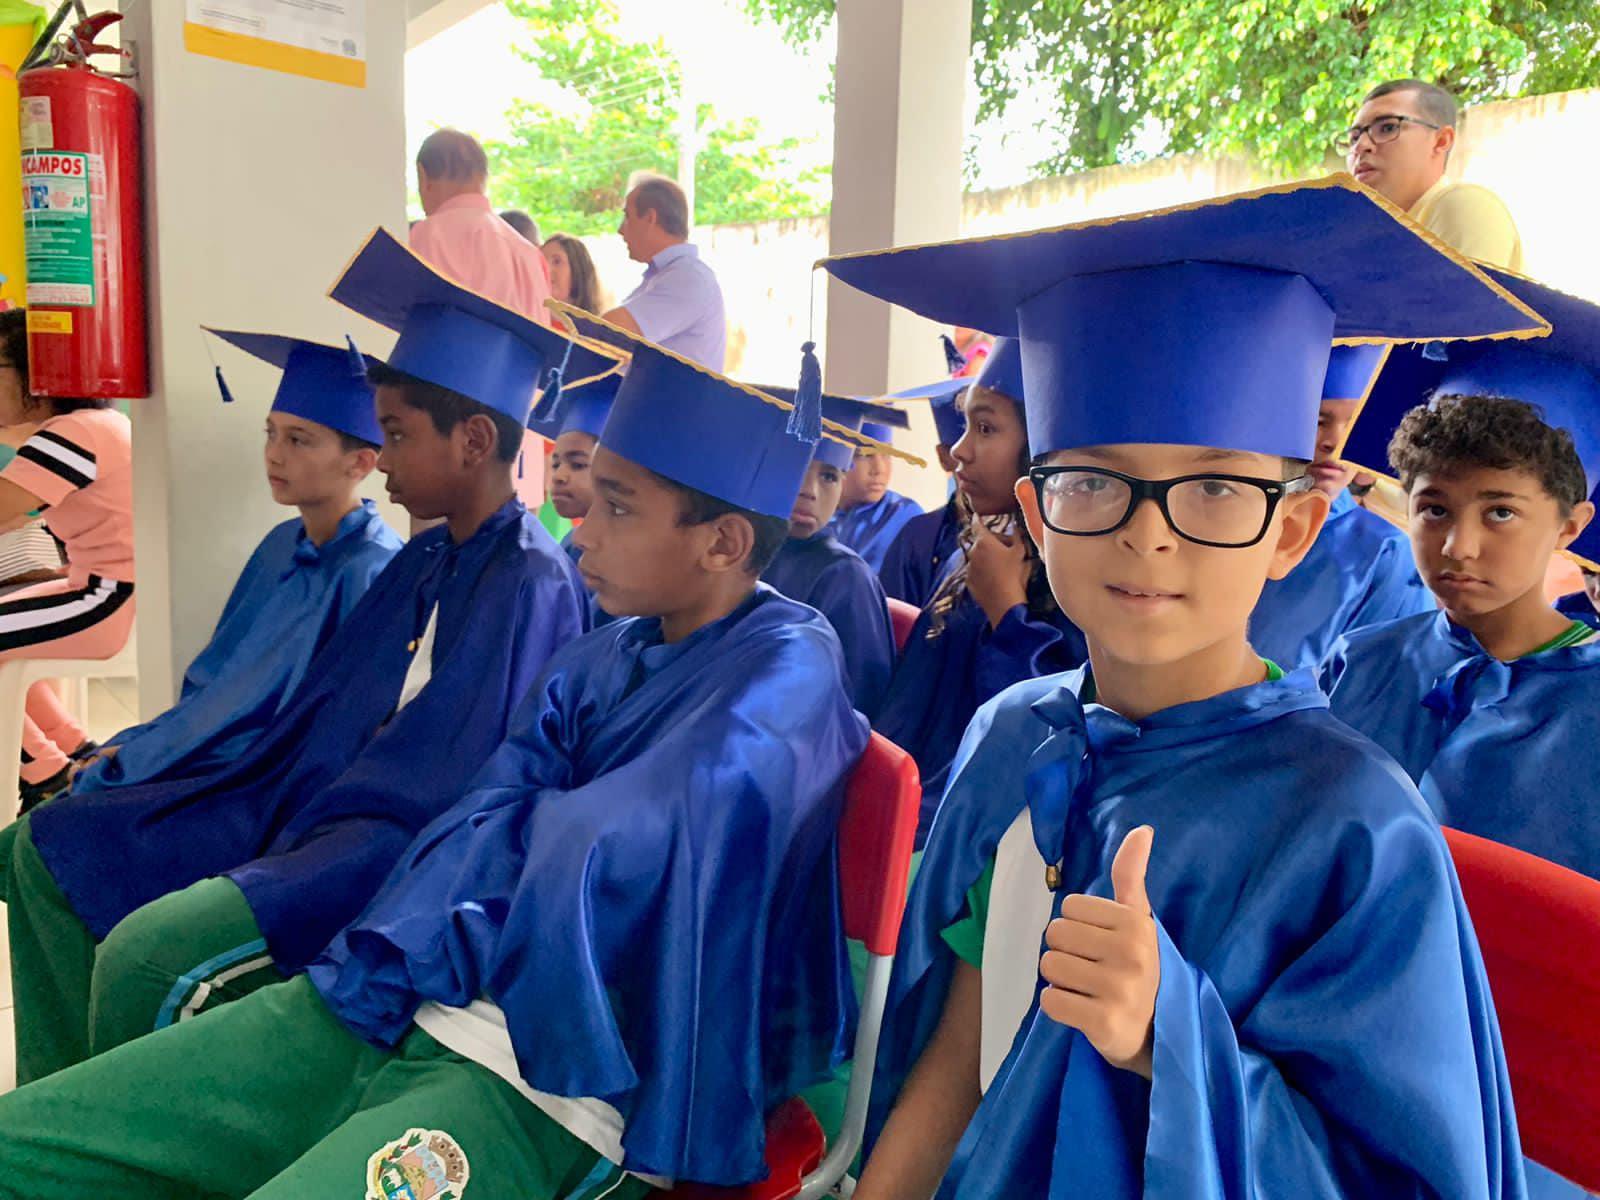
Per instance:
x=222, y=386
x=548, y=410
x=1436, y=352
x=953, y=358
x=358, y=363
x=805, y=421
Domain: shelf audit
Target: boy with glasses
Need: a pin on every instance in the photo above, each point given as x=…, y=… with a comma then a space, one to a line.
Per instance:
x=1399, y=145
x=1237, y=1012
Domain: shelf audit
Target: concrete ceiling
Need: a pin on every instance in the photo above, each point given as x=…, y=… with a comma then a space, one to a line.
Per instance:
x=428, y=18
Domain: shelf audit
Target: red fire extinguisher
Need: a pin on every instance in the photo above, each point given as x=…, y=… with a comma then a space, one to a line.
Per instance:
x=83, y=223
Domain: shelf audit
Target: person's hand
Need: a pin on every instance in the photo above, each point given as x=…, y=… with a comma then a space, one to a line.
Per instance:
x=997, y=573
x=1103, y=964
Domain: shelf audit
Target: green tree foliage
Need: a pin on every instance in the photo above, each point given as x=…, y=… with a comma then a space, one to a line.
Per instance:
x=1273, y=79
x=568, y=165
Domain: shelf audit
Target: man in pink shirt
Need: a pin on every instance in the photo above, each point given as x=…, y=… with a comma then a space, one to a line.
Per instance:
x=466, y=239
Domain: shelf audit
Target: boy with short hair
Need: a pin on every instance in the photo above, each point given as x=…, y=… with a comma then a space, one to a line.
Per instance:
x=299, y=585
x=814, y=568
x=1219, y=1016
x=916, y=558
x=870, y=514
x=598, y=970
x=1359, y=572
x=133, y=909
x=1492, y=703
x=573, y=424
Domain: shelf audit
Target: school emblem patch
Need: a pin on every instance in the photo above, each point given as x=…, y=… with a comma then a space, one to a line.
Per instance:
x=425, y=1164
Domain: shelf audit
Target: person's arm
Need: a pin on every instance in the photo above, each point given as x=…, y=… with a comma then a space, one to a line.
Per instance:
x=1476, y=222
x=997, y=574
x=936, y=1104
x=623, y=319
x=16, y=503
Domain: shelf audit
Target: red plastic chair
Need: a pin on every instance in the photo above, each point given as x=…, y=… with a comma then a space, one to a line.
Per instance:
x=876, y=832
x=902, y=617
x=1539, y=927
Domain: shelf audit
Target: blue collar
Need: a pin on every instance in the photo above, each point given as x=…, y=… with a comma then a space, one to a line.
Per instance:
x=308, y=553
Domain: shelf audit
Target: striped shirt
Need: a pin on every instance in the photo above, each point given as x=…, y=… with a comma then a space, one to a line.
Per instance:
x=80, y=466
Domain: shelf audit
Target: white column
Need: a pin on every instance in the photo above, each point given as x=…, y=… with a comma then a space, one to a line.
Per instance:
x=259, y=188
x=899, y=86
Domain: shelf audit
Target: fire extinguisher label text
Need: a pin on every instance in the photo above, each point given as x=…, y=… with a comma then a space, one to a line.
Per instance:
x=58, y=229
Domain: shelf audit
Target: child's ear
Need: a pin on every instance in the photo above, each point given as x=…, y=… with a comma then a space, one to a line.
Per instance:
x=360, y=463
x=480, y=439
x=1303, y=515
x=730, y=547
x=1577, y=521
x=1028, y=499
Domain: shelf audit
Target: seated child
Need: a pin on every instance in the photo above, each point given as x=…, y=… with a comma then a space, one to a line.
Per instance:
x=1271, y=1060
x=1585, y=605
x=300, y=583
x=596, y=971
x=813, y=568
x=573, y=429
x=991, y=621
x=915, y=559
x=1492, y=703
x=133, y=908
x=870, y=515
x=1359, y=572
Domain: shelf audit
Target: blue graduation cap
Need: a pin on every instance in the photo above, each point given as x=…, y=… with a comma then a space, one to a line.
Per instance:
x=1352, y=370
x=844, y=416
x=943, y=398
x=1559, y=374
x=583, y=408
x=1206, y=324
x=455, y=338
x=325, y=384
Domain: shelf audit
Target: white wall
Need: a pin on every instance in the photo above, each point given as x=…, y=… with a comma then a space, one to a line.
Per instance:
x=260, y=187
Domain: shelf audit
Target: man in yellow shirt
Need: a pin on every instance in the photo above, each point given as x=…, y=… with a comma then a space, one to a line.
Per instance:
x=1399, y=146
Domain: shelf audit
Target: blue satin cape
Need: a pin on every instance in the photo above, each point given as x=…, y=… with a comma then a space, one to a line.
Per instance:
x=643, y=879
x=869, y=529
x=286, y=604
x=1307, y=1042
x=914, y=563
x=833, y=579
x=335, y=790
x=940, y=682
x=1358, y=573
x=1502, y=750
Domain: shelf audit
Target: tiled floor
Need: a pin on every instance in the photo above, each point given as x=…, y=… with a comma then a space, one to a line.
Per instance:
x=113, y=706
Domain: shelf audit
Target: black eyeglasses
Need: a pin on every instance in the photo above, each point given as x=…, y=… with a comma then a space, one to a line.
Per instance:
x=1380, y=130
x=1226, y=511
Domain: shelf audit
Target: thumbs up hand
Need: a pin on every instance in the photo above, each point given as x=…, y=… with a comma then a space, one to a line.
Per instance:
x=1103, y=962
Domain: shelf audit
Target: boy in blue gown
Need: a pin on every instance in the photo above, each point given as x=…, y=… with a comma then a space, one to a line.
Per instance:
x=580, y=414
x=915, y=559
x=1235, y=1012
x=300, y=583
x=813, y=568
x=871, y=514
x=132, y=909
x=991, y=621
x=612, y=955
x=1359, y=572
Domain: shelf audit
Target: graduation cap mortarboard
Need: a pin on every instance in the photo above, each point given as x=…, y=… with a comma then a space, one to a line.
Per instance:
x=698, y=428
x=583, y=408
x=1559, y=374
x=846, y=415
x=325, y=384
x=1206, y=324
x=455, y=338
x=943, y=398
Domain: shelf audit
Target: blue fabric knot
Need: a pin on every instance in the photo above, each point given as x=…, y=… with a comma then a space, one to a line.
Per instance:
x=1473, y=682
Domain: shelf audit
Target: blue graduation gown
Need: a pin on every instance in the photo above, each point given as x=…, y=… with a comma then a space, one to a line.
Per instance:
x=338, y=786
x=287, y=603
x=1307, y=1043
x=939, y=683
x=643, y=879
x=1360, y=572
x=869, y=529
x=1579, y=607
x=914, y=563
x=835, y=581
x=1502, y=750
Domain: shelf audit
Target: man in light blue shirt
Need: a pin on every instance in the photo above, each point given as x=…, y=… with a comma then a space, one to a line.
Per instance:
x=678, y=303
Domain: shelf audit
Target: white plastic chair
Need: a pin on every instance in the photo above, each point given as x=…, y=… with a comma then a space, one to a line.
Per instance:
x=18, y=674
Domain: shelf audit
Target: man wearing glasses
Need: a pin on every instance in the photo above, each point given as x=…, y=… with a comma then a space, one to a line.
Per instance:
x=1399, y=146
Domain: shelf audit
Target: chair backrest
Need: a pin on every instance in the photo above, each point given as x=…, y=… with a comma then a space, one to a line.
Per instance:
x=1539, y=927
x=879, y=825
x=902, y=617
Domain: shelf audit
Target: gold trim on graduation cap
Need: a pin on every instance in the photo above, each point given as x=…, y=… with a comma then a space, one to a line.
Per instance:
x=568, y=314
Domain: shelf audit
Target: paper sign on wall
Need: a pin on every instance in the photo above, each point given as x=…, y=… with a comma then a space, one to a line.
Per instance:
x=319, y=39
x=58, y=228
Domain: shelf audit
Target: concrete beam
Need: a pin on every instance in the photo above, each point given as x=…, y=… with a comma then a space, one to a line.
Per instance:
x=429, y=18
